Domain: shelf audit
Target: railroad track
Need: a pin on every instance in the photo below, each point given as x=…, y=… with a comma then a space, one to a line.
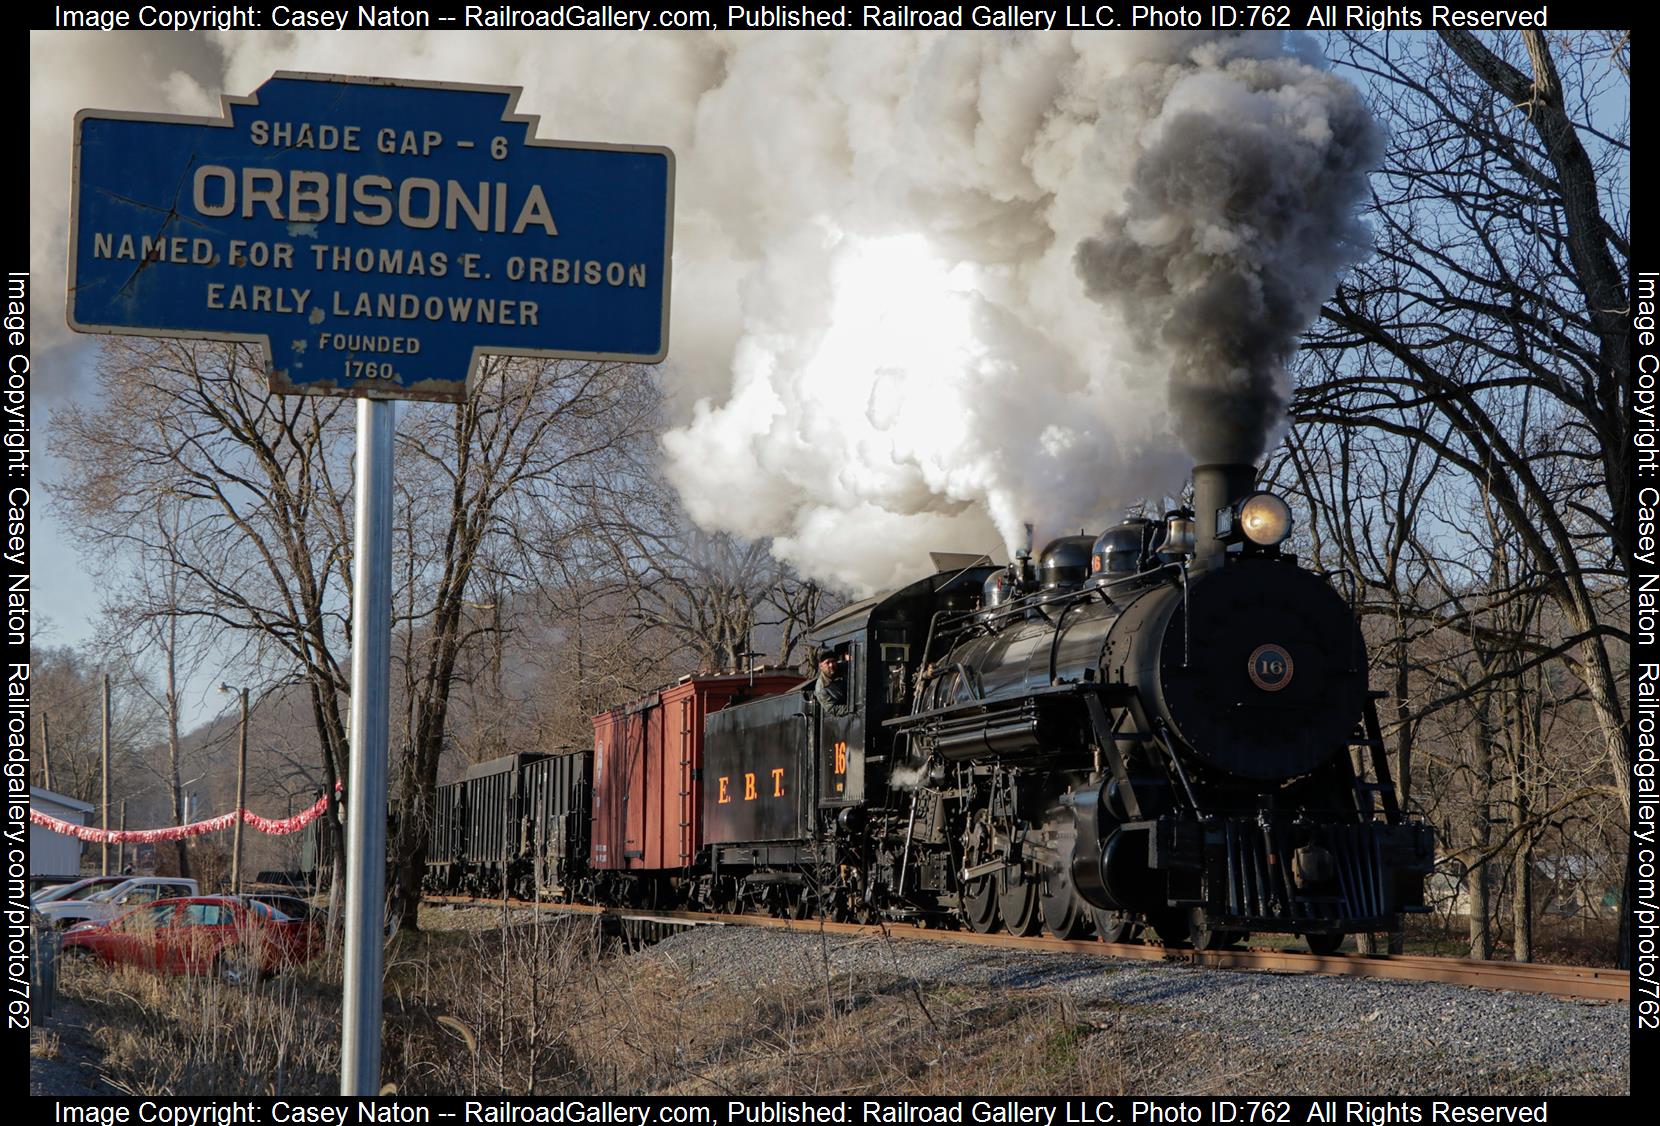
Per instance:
x=1586, y=982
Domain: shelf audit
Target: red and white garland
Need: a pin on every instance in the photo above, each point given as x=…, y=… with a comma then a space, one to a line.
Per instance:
x=279, y=826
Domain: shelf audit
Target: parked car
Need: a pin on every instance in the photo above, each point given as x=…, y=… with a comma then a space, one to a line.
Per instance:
x=74, y=889
x=219, y=934
x=290, y=881
x=112, y=901
x=291, y=905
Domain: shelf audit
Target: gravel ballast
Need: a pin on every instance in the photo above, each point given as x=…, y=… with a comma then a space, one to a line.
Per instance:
x=1176, y=1029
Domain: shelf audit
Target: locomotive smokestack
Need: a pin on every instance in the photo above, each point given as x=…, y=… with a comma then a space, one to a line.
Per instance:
x=1214, y=487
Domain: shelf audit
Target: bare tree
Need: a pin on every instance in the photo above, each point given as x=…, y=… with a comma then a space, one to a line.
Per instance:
x=1482, y=357
x=1497, y=300
x=705, y=595
x=190, y=462
x=187, y=457
x=510, y=457
x=149, y=615
x=67, y=686
x=1457, y=618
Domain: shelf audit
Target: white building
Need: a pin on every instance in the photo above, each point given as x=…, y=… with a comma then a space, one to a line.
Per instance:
x=52, y=853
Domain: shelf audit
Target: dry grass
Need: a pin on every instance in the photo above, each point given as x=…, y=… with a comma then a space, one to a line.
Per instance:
x=548, y=1010
x=542, y=1010
x=180, y=1035
x=44, y=1045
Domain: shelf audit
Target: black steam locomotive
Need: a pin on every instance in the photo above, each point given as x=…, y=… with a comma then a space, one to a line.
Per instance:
x=1167, y=726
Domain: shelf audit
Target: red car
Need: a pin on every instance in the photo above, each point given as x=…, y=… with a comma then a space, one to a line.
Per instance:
x=237, y=940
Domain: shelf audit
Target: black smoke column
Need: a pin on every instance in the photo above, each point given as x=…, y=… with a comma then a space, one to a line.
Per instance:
x=1240, y=213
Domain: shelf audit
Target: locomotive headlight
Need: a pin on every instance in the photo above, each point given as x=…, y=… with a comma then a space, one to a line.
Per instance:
x=1265, y=519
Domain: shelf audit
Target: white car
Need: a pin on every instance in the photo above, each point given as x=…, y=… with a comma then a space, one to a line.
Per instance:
x=104, y=905
x=78, y=889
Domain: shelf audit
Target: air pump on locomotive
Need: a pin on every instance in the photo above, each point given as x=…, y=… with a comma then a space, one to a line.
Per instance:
x=1168, y=725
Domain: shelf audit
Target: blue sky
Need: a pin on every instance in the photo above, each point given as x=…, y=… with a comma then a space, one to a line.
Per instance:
x=157, y=73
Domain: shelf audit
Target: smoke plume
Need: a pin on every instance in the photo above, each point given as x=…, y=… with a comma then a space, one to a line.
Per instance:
x=927, y=287
x=1240, y=211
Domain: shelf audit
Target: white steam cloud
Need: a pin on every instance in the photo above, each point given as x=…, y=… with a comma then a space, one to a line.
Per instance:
x=928, y=287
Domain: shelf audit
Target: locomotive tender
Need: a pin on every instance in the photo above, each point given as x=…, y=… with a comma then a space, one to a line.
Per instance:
x=1167, y=725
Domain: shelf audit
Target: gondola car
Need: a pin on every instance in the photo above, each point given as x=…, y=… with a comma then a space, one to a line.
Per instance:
x=516, y=824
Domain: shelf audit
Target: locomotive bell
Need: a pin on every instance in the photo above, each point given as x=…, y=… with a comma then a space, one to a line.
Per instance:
x=1180, y=536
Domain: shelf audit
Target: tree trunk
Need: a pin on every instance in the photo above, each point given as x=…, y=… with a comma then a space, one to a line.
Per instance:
x=1623, y=958
x=1403, y=730
x=173, y=741
x=1521, y=901
x=1526, y=729
x=1481, y=938
x=337, y=882
x=1598, y=675
x=410, y=843
x=332, y=740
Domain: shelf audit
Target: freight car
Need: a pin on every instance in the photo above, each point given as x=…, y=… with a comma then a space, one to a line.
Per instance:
x=517, y=824
x=621, y=824
x=649, y=763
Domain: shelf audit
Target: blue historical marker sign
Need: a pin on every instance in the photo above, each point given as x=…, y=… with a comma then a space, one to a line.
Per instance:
x=377, y=236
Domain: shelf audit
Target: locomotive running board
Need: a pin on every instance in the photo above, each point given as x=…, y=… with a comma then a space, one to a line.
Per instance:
x=968, y=708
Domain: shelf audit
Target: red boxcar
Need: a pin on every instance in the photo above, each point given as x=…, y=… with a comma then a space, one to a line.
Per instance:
x=648, y=763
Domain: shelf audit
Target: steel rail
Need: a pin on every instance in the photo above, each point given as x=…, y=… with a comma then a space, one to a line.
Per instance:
x=1583, y=982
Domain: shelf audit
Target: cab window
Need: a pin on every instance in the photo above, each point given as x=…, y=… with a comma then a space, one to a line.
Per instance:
x=847, y=673
x=894, y=654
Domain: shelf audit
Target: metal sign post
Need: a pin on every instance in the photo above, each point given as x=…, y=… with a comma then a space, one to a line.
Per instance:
x=376, y=238
x=366, y=786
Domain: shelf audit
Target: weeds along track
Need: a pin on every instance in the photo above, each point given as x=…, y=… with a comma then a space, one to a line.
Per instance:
x=1586, y=982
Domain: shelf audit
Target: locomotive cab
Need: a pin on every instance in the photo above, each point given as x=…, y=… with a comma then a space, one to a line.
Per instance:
x=880, y=642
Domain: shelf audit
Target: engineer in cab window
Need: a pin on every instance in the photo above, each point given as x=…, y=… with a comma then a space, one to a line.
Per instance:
x=831, y=689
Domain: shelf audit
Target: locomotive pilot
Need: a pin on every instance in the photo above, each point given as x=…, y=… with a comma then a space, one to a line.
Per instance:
x=830, y=691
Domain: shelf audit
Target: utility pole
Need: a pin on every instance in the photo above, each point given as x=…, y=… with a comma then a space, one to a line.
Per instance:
x=45, y=752
x=104, y=822
x=121, y=846
x=241, y=793
x=241, y=799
